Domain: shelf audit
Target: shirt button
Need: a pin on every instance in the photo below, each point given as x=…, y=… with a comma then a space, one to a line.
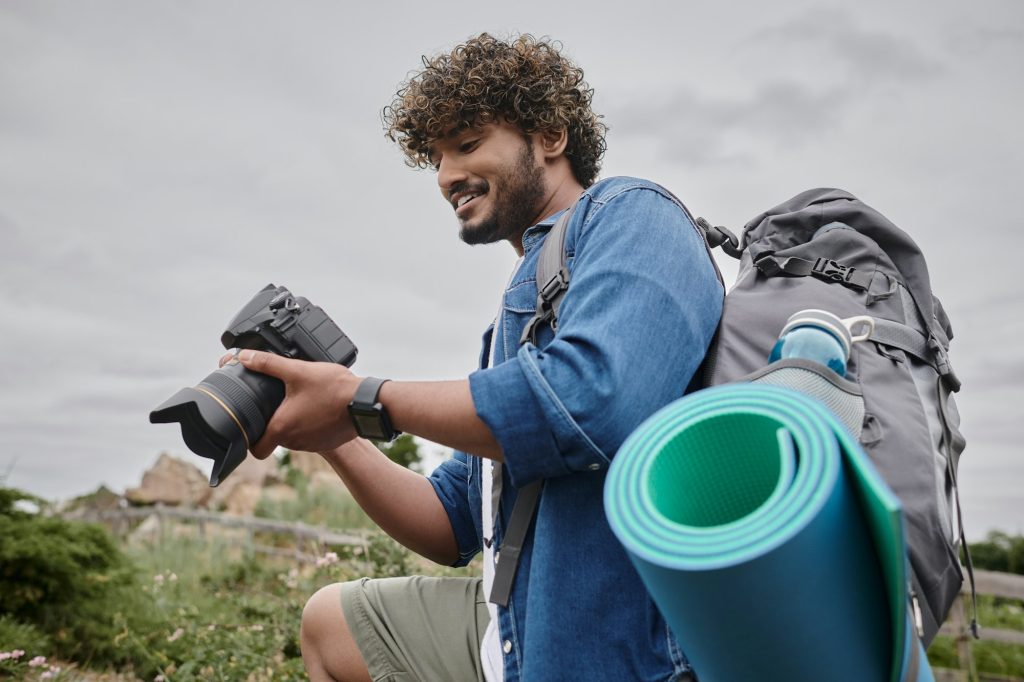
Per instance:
x=496, y=557
x=507, y=647
x=594, y=467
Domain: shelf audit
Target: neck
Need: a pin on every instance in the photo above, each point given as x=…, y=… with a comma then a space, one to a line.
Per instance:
x=563, y=195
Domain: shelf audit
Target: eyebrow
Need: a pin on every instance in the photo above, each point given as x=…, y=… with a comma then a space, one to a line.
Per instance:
x=456, y=130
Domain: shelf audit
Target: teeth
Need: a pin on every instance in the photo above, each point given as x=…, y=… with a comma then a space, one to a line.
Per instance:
x=463, y=199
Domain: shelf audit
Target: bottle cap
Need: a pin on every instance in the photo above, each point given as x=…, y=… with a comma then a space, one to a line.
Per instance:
x=823, y=320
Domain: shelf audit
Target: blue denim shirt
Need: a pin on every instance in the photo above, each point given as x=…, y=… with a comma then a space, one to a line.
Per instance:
x=642, y=306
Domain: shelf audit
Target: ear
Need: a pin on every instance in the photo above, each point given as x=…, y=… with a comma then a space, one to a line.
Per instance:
x=553, y=143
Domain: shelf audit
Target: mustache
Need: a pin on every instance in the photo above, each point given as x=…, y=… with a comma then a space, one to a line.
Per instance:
x=477, y=188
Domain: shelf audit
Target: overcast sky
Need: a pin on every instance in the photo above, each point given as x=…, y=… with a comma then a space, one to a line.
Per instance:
x=162, y=161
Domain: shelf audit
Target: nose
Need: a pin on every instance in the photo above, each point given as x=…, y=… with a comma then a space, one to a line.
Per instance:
x=449, y=173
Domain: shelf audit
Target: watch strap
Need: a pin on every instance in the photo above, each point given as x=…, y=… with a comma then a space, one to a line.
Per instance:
x=368, y=390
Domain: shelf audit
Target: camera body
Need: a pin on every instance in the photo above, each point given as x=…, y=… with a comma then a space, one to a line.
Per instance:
x=228, y=411
x=278, y=322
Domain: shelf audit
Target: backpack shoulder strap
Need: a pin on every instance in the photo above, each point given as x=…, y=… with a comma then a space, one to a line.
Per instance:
x=552, y=278
x=552, y=281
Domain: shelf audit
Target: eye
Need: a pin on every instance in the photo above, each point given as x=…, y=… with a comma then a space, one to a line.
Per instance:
x=468, y=146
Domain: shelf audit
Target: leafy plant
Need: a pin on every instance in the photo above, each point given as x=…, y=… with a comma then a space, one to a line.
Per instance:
x=999, y=552
x=403, y=450
x=69, y=581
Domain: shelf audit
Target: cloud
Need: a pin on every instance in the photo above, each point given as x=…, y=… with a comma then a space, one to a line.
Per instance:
x=972, y=40
x=697, y=130
x=871, y=55
x=824, y=69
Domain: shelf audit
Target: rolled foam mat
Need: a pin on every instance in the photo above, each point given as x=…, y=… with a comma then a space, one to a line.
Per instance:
x=767, y=539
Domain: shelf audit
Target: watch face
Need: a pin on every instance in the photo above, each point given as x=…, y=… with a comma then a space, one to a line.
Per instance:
x=367, y=423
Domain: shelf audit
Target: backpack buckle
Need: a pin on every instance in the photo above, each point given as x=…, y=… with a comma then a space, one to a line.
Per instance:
x=716, y=236
x=827, y=268
x=555, y=286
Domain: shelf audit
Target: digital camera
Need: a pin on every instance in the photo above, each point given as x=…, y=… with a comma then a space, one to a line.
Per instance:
x=228, y=411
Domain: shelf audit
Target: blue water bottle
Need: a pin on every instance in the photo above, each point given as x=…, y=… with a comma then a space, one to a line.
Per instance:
x=820, y=336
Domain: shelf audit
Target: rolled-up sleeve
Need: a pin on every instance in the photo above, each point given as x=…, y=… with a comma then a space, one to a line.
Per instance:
x=451, y=483
x=634, y=325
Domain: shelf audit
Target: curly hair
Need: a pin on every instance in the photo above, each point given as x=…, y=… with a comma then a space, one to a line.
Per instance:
x=523, y=81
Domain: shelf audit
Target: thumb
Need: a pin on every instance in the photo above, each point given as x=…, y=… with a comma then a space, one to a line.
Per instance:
x=266, y=363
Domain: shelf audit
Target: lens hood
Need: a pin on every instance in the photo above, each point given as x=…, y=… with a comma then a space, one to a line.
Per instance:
x=208, y=427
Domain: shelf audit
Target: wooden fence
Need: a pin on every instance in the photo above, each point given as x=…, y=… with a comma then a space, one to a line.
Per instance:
x=957, y=626
x=309, y=542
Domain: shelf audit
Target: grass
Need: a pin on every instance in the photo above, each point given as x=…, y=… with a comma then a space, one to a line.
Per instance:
x=215, y=611
x=993, y=658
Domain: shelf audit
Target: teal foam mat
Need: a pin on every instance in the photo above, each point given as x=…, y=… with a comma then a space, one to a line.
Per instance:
x=767, y=539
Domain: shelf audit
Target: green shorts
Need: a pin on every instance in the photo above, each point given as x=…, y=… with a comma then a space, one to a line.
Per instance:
x=417, y=628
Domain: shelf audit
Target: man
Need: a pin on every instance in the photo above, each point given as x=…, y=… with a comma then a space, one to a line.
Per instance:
x=509, y=129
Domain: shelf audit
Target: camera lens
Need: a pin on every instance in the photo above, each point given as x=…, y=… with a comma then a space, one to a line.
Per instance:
x=224, y=415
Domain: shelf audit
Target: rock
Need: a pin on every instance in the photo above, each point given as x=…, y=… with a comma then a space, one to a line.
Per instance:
x=171, y=481
x=316, y=470
x=101, y=500
x=243, y=498
x=309, y=463
x=147, y=532
x=251, y=471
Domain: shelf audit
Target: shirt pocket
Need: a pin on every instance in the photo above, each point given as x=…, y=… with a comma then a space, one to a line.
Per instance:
x=519, y=304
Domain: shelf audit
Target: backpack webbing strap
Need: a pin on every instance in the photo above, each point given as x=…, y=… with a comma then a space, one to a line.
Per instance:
x=552, y=279
x=909, y=340
x=512, y=543
x=955, y=441
x=904, y=337
x=822, y=268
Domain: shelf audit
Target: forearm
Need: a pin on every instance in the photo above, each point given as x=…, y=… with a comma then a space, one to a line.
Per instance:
x=442, y=412
x=402, y=502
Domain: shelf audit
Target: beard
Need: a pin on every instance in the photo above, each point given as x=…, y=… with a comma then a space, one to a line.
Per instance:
x=521, y=192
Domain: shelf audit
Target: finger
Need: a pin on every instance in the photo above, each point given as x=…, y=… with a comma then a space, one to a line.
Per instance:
x=266, y=363
x=263, y=447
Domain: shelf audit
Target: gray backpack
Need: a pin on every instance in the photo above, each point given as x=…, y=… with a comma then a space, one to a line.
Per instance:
x=824, y=249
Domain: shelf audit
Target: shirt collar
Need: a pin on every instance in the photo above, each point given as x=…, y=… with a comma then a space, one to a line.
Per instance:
x=535, y=234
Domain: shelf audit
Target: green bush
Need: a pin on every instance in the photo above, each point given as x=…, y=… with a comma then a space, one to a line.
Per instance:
x=69, y=581
x=999, y=552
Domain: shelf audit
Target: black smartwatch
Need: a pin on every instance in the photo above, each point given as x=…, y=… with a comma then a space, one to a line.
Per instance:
x=369, y=416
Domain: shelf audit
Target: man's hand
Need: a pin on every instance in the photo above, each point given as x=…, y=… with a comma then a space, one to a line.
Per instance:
x=314, y=414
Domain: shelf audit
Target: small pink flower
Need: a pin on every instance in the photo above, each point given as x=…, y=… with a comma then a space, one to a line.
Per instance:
x=158, y=578
x=327, y=560
x=4, y=655
x=37, y=662
x=17, y=653
x=176, y=635
x=173, y=578
x=256, y=628
x=159, y=678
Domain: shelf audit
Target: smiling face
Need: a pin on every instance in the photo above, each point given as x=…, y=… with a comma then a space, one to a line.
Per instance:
x=494, y=180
